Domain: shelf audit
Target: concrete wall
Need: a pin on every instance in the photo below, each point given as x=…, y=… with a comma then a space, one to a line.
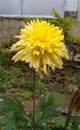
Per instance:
x=76, y=29
x=9, y=27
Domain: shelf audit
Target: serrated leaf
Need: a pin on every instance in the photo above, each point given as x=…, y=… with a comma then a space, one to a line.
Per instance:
x=25, y=121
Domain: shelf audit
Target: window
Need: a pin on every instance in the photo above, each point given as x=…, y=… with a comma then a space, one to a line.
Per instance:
x=71, y=8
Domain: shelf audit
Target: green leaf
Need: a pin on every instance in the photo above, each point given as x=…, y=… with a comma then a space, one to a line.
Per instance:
x=25, y=121
x=75, y=127
x=26, y=94
x=8, y=122
x=38, y=116
x=76, y=119
x=60, y=122
x=9, y=104
x=49, y=102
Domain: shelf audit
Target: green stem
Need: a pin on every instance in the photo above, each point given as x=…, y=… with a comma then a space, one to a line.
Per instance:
x=34, y=96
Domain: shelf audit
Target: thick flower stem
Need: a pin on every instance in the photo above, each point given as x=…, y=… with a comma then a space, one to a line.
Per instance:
x=34, y=96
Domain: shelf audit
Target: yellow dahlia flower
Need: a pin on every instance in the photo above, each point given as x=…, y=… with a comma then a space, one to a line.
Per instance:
x=41, y=45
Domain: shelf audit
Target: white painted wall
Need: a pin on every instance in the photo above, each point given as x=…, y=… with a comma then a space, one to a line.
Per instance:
x=9, y=7
x=30, y=7
x=42, y=7
x=34, y=8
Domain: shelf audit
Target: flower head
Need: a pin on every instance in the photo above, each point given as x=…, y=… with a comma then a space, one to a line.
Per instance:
x=41, y=45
